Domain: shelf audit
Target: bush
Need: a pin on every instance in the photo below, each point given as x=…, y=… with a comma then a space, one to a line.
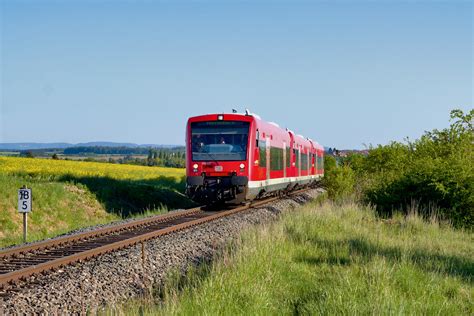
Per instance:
x=435, y=173
x=338, y=180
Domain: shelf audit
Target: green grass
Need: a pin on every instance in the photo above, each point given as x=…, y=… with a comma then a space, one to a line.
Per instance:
x=332, y=260
x=57, y=208
x=68, y=195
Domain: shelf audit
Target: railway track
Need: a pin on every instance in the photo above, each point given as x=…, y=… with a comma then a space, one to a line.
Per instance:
x=21, y=262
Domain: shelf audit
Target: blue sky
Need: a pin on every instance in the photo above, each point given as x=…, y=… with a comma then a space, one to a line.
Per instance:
x=345, y=73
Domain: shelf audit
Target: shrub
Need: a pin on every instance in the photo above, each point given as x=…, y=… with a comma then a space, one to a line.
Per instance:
x=435, y=172
x=338, y=180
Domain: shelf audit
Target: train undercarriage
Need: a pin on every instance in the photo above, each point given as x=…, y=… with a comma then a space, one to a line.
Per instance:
x=212, y=190
x=235, y=189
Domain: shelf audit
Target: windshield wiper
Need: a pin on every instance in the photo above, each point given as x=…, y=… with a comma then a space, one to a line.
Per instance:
x=212, y=157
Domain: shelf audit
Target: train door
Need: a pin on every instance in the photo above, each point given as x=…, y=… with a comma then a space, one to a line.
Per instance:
x=308, y=162
x=298, y=164
x=268, y=157
x=294, y=164
x=317, y=163
x=284, y=159
x=314, y=165
x=321, y=163
x=290, y=156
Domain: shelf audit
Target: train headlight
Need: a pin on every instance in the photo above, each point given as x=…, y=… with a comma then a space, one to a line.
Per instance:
x=242, y=166
x=220, y=117
x=195, y=167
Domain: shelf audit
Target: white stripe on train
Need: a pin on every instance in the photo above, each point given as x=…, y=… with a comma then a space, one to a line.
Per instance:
x=263, y=183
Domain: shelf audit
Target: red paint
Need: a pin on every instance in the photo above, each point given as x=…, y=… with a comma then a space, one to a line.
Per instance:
x=268, y=132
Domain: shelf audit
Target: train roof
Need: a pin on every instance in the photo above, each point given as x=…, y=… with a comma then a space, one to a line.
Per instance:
x=248, y=116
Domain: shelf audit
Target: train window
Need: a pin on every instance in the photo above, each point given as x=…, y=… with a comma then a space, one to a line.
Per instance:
x=262, y=148
x=219, y=140
x=276, y=158
x=304, y=161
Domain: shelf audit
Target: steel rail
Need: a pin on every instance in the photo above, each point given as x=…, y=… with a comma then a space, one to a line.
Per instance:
x=197, y=217
x=60, y=241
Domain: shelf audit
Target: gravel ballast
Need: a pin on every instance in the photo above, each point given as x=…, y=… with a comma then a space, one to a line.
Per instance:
x=115, y=277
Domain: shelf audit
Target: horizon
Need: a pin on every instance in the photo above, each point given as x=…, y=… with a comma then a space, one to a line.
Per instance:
x=347, y=74
x=115, y=144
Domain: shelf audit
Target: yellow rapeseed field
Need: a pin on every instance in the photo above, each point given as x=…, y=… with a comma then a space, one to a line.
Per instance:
x=51, y=169
x=74, y=194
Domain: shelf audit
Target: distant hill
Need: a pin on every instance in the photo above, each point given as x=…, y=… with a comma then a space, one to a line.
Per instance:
x=32, y=146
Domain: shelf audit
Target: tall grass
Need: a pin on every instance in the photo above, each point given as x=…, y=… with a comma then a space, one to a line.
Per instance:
x=332, y=260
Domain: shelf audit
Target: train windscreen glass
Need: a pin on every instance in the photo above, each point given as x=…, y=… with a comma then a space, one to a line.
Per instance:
x=219, y=140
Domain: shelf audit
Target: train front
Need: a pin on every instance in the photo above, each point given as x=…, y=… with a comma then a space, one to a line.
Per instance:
x=217, y=152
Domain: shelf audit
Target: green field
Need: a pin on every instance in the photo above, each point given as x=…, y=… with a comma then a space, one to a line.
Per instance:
x=69, y=194
x=332, y=260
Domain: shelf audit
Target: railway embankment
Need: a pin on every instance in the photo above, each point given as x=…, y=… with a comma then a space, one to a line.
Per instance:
x=329, y=259
x=112, y=278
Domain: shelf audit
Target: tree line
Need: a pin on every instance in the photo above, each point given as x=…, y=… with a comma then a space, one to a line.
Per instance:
x=102, y=150
x=163, y=157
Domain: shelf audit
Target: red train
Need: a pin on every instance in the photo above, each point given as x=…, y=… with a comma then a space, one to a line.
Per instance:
x=238, y=157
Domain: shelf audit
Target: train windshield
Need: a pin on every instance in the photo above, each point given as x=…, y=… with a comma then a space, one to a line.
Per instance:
x=219, y=140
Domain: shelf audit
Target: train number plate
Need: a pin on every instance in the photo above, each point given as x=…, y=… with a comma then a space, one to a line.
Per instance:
x=218, y=168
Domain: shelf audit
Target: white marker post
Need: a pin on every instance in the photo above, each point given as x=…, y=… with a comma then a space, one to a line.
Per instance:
x=24, y=206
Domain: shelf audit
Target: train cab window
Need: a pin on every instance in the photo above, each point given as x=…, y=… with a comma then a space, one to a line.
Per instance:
x=219, y=140
x=262, y=149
